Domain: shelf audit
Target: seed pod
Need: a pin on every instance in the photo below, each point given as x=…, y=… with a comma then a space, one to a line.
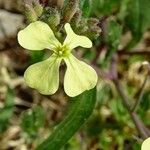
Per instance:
x=51, y=16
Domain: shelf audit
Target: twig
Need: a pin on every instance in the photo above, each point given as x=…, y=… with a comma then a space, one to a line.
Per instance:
x=137, y=139
x=140, y=95
x=122, y=95
x=137, y=52
x=138, y=123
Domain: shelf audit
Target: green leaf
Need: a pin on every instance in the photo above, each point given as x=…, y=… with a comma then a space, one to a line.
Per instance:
x=94, y=126
x=80, y=110
x=123, y=12
x=85, y=6
x=104, y=7
x=118, y=111
x=114, y=34
x=113, y=37
x=7, y=111
x=138, y=19
x=32, y=120
x=145, y=103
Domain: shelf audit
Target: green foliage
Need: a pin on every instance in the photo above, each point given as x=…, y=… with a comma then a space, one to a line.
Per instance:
x=107, y=141
x=104, y=7
x=113, y=37
x=7, y=111
x=73, y=144
x=110, y=126
x=123, y=10
x=80, y=109
x=32, y=121
x=138, y=19
x=119, y=111
x=85, y=6
x=95, y=125
x=36, y=56
x=103, y=94
x=145, y=103
x=144, y=107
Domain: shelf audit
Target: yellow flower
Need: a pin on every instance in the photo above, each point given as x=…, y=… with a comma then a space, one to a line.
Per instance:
x=146, y=144
x=44, y=76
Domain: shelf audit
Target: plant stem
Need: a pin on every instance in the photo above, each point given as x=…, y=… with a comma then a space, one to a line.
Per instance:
x=122, y=95
x=126, y=100
x=138, y=123
x=137, y=52
x=140, y=95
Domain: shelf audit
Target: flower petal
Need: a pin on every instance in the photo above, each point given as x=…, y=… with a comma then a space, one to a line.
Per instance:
x=73, y=40
x=146, y=144
x=44, y=76
x=37, y=36
x=79, y=77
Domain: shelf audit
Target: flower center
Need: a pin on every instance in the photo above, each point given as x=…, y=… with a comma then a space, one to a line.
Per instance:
x=62, y=51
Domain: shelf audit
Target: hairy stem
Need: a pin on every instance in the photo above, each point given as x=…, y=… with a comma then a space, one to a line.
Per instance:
x=137, y=52
x=140, y=94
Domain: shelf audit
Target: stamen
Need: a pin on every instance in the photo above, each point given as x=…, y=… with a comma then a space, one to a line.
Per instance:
x=62, y=51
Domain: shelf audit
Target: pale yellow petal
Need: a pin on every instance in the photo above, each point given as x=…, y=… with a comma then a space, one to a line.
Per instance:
x=37, y=36
x=146, y=144
x=79, y=77
x=44, y=76
x=73, y=40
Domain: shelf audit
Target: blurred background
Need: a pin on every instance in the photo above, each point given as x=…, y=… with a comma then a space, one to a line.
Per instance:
x=119, y=29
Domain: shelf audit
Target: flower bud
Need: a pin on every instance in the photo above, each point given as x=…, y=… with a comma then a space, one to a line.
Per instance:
x=51, y=16
x=30, y=13
x=38, y=8
x=76, y=18
x=69, y=10
x=92, y=21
